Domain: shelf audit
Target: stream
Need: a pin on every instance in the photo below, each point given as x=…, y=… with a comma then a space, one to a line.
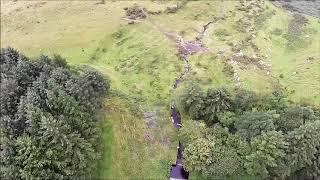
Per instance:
x=185, y=48
x=177, y=170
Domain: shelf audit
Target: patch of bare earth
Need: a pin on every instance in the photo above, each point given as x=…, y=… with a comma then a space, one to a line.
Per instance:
x=153, y=134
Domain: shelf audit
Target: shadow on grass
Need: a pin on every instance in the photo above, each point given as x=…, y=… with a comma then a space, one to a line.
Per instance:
x=103, y=166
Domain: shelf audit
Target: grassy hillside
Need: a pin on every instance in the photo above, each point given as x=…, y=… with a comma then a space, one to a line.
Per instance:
x=142, y=63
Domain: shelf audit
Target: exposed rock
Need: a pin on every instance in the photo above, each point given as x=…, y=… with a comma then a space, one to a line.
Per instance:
x=172, y=8
x=135, y=12
x=239, y=54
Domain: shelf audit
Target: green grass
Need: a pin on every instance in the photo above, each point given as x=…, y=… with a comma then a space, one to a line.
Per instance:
x=142, y=65
x=301, y=79
x=128, y=153
x=207, y=70
x=103, y=167
x=306, y=83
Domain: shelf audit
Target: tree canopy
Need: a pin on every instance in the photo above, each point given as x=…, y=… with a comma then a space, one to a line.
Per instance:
x=244, y=133
x=49, y=117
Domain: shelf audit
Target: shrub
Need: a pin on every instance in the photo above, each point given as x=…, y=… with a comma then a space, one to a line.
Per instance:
x=281, y=76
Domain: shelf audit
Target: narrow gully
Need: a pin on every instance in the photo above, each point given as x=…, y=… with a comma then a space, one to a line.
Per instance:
x=177, y=170
x=186, y=48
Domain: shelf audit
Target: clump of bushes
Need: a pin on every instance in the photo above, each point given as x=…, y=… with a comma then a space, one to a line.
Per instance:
x=281, y=76
x=245, y=133
x=49, y=117
x=135, y=12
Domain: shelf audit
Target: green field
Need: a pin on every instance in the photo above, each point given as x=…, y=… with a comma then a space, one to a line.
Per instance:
x=142, y=64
